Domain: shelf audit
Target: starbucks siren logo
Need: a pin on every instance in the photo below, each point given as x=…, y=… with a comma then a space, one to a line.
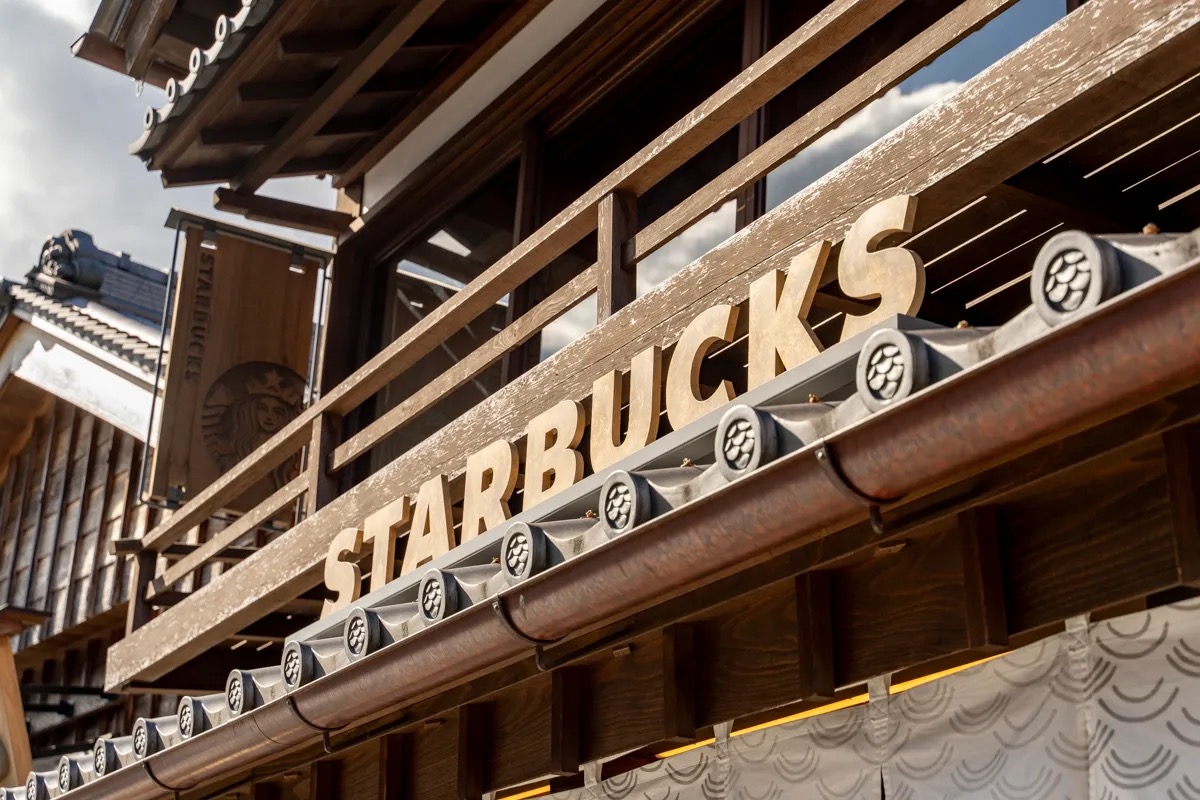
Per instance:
x=245, y=407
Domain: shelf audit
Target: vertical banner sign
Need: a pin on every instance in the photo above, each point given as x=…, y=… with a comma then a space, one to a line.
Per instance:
x=237, y=365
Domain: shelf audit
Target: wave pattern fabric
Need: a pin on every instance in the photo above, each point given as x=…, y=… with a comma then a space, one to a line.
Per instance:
x=1104, y=711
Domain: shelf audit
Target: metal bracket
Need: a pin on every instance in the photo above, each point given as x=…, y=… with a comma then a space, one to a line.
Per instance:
x=538, y=644
x=325, y=743
x=160, y=784
x=829, y=466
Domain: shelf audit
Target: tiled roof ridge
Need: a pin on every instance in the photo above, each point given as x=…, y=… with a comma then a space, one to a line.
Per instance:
x=1074, y=276
x=137, y=350
x=230, y=35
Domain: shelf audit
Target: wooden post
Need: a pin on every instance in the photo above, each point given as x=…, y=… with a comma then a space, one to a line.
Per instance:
x=140, y=578
x=393, y=766
x=1181, y=448
x=16, y=760
x=322, y=781
x=566, y=721
x=528, y=294
x=752, y=201
x=472, y=751
x=616, y=281
x=983, y=581
x=679, y=684
x=322, y=487
x=814, y=618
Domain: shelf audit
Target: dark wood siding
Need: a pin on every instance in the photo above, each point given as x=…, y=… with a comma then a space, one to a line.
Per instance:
x=65, y=495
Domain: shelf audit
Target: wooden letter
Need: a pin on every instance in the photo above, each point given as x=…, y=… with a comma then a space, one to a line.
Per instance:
x=491, y=477
x=551, y=461
x=380, y=529
x=432, y=531
x=684, y=402
x=342, y=574
x=645, y=405
x=895, y=275
x=780, y=336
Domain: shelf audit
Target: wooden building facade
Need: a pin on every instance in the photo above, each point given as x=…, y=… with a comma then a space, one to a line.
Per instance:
x=78, y=345
x=737, y=397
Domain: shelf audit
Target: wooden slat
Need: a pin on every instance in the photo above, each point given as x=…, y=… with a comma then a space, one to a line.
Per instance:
x=385, y=40
x=826, y=116
x=545, y=312
x=371, y=153
x=250, y=471
x=679, y=683
x=205, y=552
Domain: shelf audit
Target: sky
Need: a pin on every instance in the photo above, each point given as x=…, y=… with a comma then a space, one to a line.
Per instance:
x=64, y=140
x=67, y=125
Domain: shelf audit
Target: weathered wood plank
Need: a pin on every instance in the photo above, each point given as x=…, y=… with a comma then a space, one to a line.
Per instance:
x=282, y=212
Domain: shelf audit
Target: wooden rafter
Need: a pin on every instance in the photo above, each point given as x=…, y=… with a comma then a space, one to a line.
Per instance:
x=352, y=75
x=457, y=74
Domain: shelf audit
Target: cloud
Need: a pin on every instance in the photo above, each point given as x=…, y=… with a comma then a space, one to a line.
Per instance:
x=64, y=141
x=833, y=149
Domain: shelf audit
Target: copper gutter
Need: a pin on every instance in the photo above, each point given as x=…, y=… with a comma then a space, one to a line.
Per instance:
x=1138, y=348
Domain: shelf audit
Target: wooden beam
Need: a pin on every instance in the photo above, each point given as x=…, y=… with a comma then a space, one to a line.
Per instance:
x=527, y=218
x=383, y=43
x=752, y=201
x=515, y=18
x=145, y=28
x=814, y=622
x=13, y=735
x=191, y=29
x=258, y=52
x=616, y=279
x=207, y=174
x=472, y=751
x=282, y=212
x=983, y=581
x=679, y=683
x=294, y=91
x=566, y=723
x=323, y=781
x=394, y=767
x=1181, y=451
x=338, y=129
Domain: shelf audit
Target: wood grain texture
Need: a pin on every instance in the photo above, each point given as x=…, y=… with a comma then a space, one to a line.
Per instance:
x=384, y=41
x=1007, y=118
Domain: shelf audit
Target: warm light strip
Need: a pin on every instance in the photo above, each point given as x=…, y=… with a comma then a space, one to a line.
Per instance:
x=830, y=707
x=538, y=792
